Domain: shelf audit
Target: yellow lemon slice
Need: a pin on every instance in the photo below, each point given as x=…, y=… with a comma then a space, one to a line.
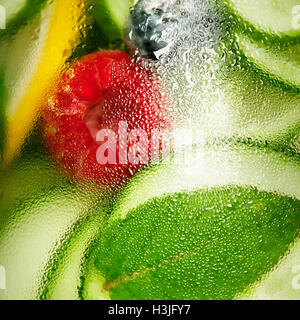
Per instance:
x=42, y=49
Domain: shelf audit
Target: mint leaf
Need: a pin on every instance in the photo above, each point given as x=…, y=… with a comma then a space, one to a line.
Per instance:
x=209, y=244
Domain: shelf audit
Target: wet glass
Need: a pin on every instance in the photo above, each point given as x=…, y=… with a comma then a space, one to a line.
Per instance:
x=149, y=149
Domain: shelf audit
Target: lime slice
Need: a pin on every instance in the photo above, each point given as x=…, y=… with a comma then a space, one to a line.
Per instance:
x=205, y=229
x=34, y=59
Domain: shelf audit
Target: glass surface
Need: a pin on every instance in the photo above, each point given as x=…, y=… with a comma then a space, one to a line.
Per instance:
x=150, y=149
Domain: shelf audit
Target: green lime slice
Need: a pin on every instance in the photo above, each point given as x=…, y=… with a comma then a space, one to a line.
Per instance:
x=205, y=229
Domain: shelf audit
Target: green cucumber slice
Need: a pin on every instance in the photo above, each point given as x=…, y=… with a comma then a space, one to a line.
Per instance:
x=274, y=17
x=16, y=13
x=93, y=283
x=30, y=239
x=281, y=64
x=2, y=115
x=229, y=99
x=217, y=192
x=111, y=17
x=214, y=167
x=282, y=283
x=13, y=7
x=64, y=278
x=251, y=106
x=38, y=208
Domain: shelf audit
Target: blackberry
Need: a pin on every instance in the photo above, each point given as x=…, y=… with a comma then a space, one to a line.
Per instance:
x=155, y=26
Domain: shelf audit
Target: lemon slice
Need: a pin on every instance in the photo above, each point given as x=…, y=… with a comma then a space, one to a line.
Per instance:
x=34, y=59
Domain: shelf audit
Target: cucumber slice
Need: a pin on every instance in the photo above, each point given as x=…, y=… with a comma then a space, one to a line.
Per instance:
x=32, y=61
x=31, y=238
x=37, y=210
x=64, y=278
x=258, y=109
x=111, y=17
x=217, y=94
x=225, y=101
x=172, y=210
x=274, y=17
x=281, y=64
x=282, y=283
x=17, y=13
x=2, y=115
x=239, y=165
x=13, y=7
x=26, y=178
x=93, y=283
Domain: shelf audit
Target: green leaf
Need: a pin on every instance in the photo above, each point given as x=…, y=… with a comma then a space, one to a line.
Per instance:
x=205, y=244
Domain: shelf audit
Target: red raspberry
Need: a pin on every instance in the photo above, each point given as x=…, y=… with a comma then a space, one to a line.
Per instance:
x=97, y=93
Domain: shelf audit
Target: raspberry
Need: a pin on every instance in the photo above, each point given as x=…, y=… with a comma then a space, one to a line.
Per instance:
x=96, y=93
